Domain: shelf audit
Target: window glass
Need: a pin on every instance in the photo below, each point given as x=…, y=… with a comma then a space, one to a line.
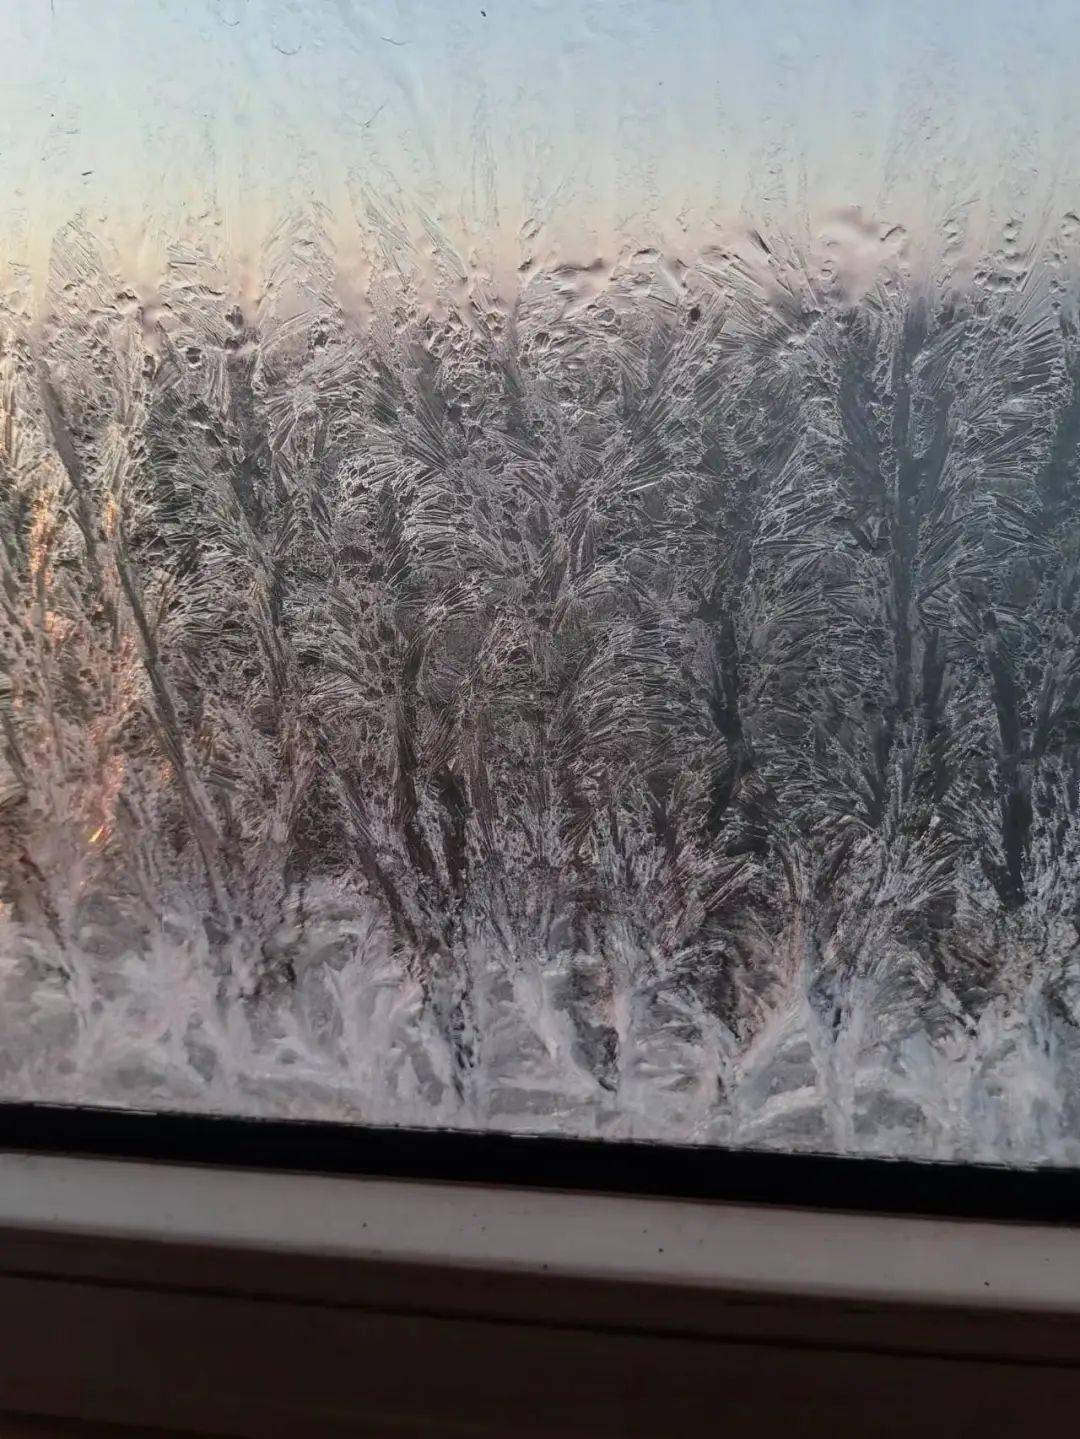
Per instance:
x=540, y=571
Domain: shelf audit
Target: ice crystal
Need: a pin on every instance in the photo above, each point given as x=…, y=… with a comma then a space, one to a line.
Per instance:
x=648, y=707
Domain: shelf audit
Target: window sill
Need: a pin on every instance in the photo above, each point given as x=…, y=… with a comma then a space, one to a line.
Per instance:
x=250, y=1302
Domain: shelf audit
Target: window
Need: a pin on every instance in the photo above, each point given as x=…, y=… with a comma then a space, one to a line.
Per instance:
x=540, y=579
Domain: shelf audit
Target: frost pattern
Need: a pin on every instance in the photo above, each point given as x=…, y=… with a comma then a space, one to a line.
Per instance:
x=647, y=708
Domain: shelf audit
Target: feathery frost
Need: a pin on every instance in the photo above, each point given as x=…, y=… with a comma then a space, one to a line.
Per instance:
x=654, y=714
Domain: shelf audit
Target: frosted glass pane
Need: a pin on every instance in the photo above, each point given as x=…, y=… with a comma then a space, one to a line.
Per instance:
x=540, y=584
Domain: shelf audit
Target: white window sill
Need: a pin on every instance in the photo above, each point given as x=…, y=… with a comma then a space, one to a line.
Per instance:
x=255, y=1302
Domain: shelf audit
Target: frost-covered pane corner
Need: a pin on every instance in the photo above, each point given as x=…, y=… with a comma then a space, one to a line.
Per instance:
x=637, y=698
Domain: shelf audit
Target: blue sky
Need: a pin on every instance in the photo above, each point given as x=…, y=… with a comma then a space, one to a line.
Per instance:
x=551, y=130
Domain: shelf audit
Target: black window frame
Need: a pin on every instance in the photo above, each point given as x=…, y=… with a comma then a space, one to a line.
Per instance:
x=1044, y=1194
